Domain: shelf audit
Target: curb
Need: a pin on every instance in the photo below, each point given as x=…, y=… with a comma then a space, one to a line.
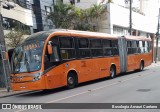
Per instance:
x=8, y=94
x=155, y=64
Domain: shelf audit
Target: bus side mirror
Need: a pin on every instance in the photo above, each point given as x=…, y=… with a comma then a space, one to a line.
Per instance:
x=50, y=50
x=6, y=56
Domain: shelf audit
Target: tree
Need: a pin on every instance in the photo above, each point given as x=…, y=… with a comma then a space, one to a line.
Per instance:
x=95, y=14
x=110, y=1
x=70, y=17
x=14, y=37
x=81, y=20
x=62, y=16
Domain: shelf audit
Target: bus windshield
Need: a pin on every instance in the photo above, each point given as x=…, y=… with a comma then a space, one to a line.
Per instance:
x=27, y=57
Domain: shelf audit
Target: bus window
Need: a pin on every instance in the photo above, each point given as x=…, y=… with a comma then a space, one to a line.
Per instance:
x=66, y=42
x=27, y=57
x=141, y=45
x=134, y=47
x=96, y=43
x=96, y=47
x=114, y=43
x=54, y=58
x=83, y=43
x=107, y=51
x=129, y=44
x=145, y=47
x=106, y=43
x=149, y=46
x=129, y=47
x=67, y=49
x=114, y=47
x=107, y=47
x=84, y=50
x=137, y=42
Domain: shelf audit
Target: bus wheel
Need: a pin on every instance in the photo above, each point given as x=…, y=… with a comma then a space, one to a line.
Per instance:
x=71, y=80
x=112, y=72
x=141, y=66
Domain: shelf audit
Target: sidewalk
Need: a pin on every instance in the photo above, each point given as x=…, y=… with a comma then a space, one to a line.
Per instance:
x=154, y=64
x=4, y=93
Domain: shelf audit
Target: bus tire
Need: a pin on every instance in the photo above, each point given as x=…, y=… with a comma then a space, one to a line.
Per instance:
x=71, y=80
x=112, y=72
x=141, y=66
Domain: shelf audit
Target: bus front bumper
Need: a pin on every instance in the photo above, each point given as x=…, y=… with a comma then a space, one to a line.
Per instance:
x=37, y=85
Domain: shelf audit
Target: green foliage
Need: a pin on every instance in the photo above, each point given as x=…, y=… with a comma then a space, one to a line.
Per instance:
x=63, y=13
x=70, y=17
x=110, y=1
x=14, y=37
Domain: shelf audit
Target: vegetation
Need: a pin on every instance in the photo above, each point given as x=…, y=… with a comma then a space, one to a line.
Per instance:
x=14, y=37
x=70, y=17
x=110, y=1
x=62, y=16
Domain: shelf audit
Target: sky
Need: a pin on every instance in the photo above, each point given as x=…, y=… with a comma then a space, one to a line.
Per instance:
x=150, y=7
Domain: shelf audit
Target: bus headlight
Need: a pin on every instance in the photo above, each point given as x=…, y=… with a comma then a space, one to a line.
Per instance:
x=37, y=77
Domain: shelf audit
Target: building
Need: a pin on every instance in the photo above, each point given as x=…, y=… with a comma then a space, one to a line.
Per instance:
x=40, y=10
x=144, y=16
x=34, y=14
x=117, y=20
x=19, y=17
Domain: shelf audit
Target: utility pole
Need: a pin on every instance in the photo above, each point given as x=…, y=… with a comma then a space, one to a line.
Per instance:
x=3, y=50
x=130, y=17
x=157, y=38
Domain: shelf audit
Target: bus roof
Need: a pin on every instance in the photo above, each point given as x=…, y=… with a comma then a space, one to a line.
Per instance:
x=43, y=35
x=82, y=34
x=137, y=38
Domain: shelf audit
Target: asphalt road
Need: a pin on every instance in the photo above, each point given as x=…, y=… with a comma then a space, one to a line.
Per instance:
x=133, y=87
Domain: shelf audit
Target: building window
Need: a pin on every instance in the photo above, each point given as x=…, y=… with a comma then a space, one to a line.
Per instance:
x=78, y=1
x=23, y=3
x=48, y=10
x=120, y=30
x=11, y=24
x=72, y=2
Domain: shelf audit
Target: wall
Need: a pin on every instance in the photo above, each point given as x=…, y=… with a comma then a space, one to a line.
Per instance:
x=47, y=24
x=83, y=4
x=119, y=16
x=20, y=14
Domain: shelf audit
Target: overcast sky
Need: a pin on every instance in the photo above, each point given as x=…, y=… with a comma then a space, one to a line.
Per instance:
x=150, y=7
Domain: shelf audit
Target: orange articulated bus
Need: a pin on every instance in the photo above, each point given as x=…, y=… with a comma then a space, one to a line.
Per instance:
x=52, y=59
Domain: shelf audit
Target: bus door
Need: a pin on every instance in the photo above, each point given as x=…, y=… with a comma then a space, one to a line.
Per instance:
x=122, y=53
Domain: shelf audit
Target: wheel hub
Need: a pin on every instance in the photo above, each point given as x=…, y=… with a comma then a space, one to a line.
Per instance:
x=70, y=80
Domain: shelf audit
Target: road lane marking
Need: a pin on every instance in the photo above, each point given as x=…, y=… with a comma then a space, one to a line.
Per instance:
x=115, y=83
x=68, y=97
x=88, y=91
